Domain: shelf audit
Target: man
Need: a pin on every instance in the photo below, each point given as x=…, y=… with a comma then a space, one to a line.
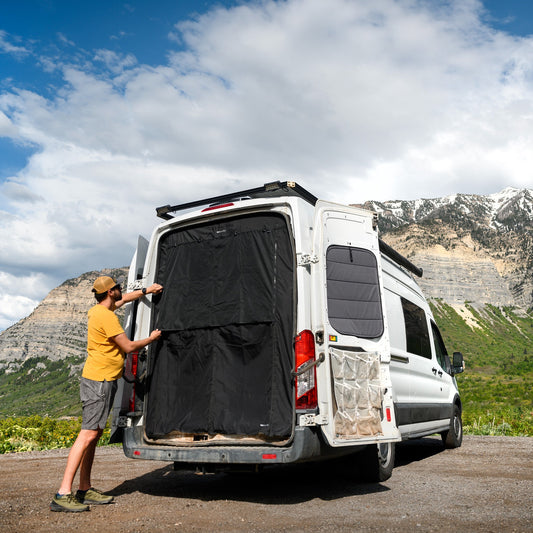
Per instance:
x=106, y=345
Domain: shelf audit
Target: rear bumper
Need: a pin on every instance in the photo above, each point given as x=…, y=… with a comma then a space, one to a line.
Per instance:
x=307, y=445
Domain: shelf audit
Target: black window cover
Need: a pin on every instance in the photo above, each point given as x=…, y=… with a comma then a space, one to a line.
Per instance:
x=354, y=301
x=224, y=362
x=416, y=329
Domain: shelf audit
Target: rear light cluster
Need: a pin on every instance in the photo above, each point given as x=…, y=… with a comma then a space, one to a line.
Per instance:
x=130, y=373
x=306, y=395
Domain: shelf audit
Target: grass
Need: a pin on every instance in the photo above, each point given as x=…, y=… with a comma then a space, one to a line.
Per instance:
x=496, y=388
x=40, y=386
x=28, y=433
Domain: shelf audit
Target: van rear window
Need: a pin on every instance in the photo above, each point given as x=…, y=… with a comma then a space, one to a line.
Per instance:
x=354, y=300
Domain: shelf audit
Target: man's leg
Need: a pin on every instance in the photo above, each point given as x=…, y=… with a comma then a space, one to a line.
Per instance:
x=86, y=440
x=87, y=463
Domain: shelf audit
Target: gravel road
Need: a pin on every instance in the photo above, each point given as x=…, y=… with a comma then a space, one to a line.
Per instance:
x=486, y=485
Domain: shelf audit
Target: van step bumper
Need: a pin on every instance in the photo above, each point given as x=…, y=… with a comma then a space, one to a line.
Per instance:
x=306, y=445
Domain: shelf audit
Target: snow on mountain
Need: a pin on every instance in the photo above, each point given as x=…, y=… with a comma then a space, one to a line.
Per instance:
x=500, y=211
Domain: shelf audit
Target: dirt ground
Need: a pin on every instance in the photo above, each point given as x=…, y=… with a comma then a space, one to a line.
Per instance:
x=486, y=485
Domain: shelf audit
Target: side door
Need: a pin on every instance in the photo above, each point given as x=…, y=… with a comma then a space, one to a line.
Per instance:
x=400, y=358
x=125, y=388
x=347, y=316
x=444, y=369
x=428, y=391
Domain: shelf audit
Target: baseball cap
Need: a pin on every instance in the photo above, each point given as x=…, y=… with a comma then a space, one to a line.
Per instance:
x=103, y=284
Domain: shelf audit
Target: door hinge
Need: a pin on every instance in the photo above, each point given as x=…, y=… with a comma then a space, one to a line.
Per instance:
x=307, y=259
x=135, y=285
x=313, y=420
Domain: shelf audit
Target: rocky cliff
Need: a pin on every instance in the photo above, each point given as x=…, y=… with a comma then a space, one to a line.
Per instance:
x=472, y=248
x=57, y=328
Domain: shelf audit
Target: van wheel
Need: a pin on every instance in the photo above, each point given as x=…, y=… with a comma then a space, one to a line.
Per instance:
x=376, y=462
x=453, y=438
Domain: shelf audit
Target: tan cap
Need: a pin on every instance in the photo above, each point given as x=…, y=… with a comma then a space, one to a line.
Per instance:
x=103, y=284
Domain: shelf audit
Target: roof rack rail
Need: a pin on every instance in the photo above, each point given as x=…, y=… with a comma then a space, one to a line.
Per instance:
x=397, y=257
x=273, y=190
x=268, y=190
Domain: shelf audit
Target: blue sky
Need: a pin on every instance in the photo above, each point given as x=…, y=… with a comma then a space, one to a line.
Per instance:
x=109, y=109
x=76, y=29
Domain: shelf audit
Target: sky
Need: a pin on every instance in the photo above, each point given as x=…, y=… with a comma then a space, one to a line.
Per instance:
x=109, y=109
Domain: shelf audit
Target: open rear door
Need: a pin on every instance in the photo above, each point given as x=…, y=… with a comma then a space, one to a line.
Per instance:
x=124, y=389
x=354, y=384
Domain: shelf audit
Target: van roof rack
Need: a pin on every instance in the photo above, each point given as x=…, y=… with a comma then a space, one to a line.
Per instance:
x=273, y=190
x=268, y=190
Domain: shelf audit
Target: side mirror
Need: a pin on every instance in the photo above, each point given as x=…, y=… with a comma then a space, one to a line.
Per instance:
x=458, y=364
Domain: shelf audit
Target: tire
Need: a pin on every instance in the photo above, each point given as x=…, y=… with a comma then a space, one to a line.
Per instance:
x=453, y=438
x=377, y=462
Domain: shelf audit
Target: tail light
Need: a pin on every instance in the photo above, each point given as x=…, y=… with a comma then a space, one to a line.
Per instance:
x=306, y=394
x=130, y=373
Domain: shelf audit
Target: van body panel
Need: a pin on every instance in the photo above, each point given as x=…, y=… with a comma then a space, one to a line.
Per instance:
x=423, y=390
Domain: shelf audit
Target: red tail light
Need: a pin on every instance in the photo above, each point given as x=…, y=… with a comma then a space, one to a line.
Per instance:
x=131, y=369
x=306, y=394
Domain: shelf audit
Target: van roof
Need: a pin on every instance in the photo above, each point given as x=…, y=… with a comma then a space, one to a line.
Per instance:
x=268, y=190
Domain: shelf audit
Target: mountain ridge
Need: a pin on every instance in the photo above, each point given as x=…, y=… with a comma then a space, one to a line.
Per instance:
x=475, y=250
x=471, y=247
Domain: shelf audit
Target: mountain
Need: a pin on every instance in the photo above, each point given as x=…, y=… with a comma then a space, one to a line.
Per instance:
x=477, y=256
x=57, y=328
x=472, y=248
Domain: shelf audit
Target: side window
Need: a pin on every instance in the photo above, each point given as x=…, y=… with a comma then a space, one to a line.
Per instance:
x=440, y=349
x=416, y=329
x=354, y=301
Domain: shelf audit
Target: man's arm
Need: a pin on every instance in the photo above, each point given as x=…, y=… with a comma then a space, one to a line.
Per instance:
x=131, y=346
x=135, y=295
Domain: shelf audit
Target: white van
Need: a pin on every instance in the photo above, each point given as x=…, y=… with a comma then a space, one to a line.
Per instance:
x=291, y=333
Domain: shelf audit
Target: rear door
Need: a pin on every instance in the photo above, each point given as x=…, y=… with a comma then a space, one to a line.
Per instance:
x=347, y=313
x=124, y=389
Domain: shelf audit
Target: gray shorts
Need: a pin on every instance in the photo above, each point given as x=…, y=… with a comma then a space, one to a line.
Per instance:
x=97, y=400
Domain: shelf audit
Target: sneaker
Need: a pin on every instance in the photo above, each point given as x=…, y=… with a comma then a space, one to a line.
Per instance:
x=67, y=503
x=93, y=496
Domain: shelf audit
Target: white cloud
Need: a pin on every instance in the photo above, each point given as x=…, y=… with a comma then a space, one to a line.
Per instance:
x=7, y=46
x=357, y=100
x=116, y=63
x=19, y=295
x=64, y=39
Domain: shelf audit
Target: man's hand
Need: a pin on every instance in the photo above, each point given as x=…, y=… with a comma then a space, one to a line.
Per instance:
x=155, y=335
x=155, y=288
x=124, y=343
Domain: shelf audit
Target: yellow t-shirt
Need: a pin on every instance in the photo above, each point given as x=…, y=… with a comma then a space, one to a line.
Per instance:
x=105, y=360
